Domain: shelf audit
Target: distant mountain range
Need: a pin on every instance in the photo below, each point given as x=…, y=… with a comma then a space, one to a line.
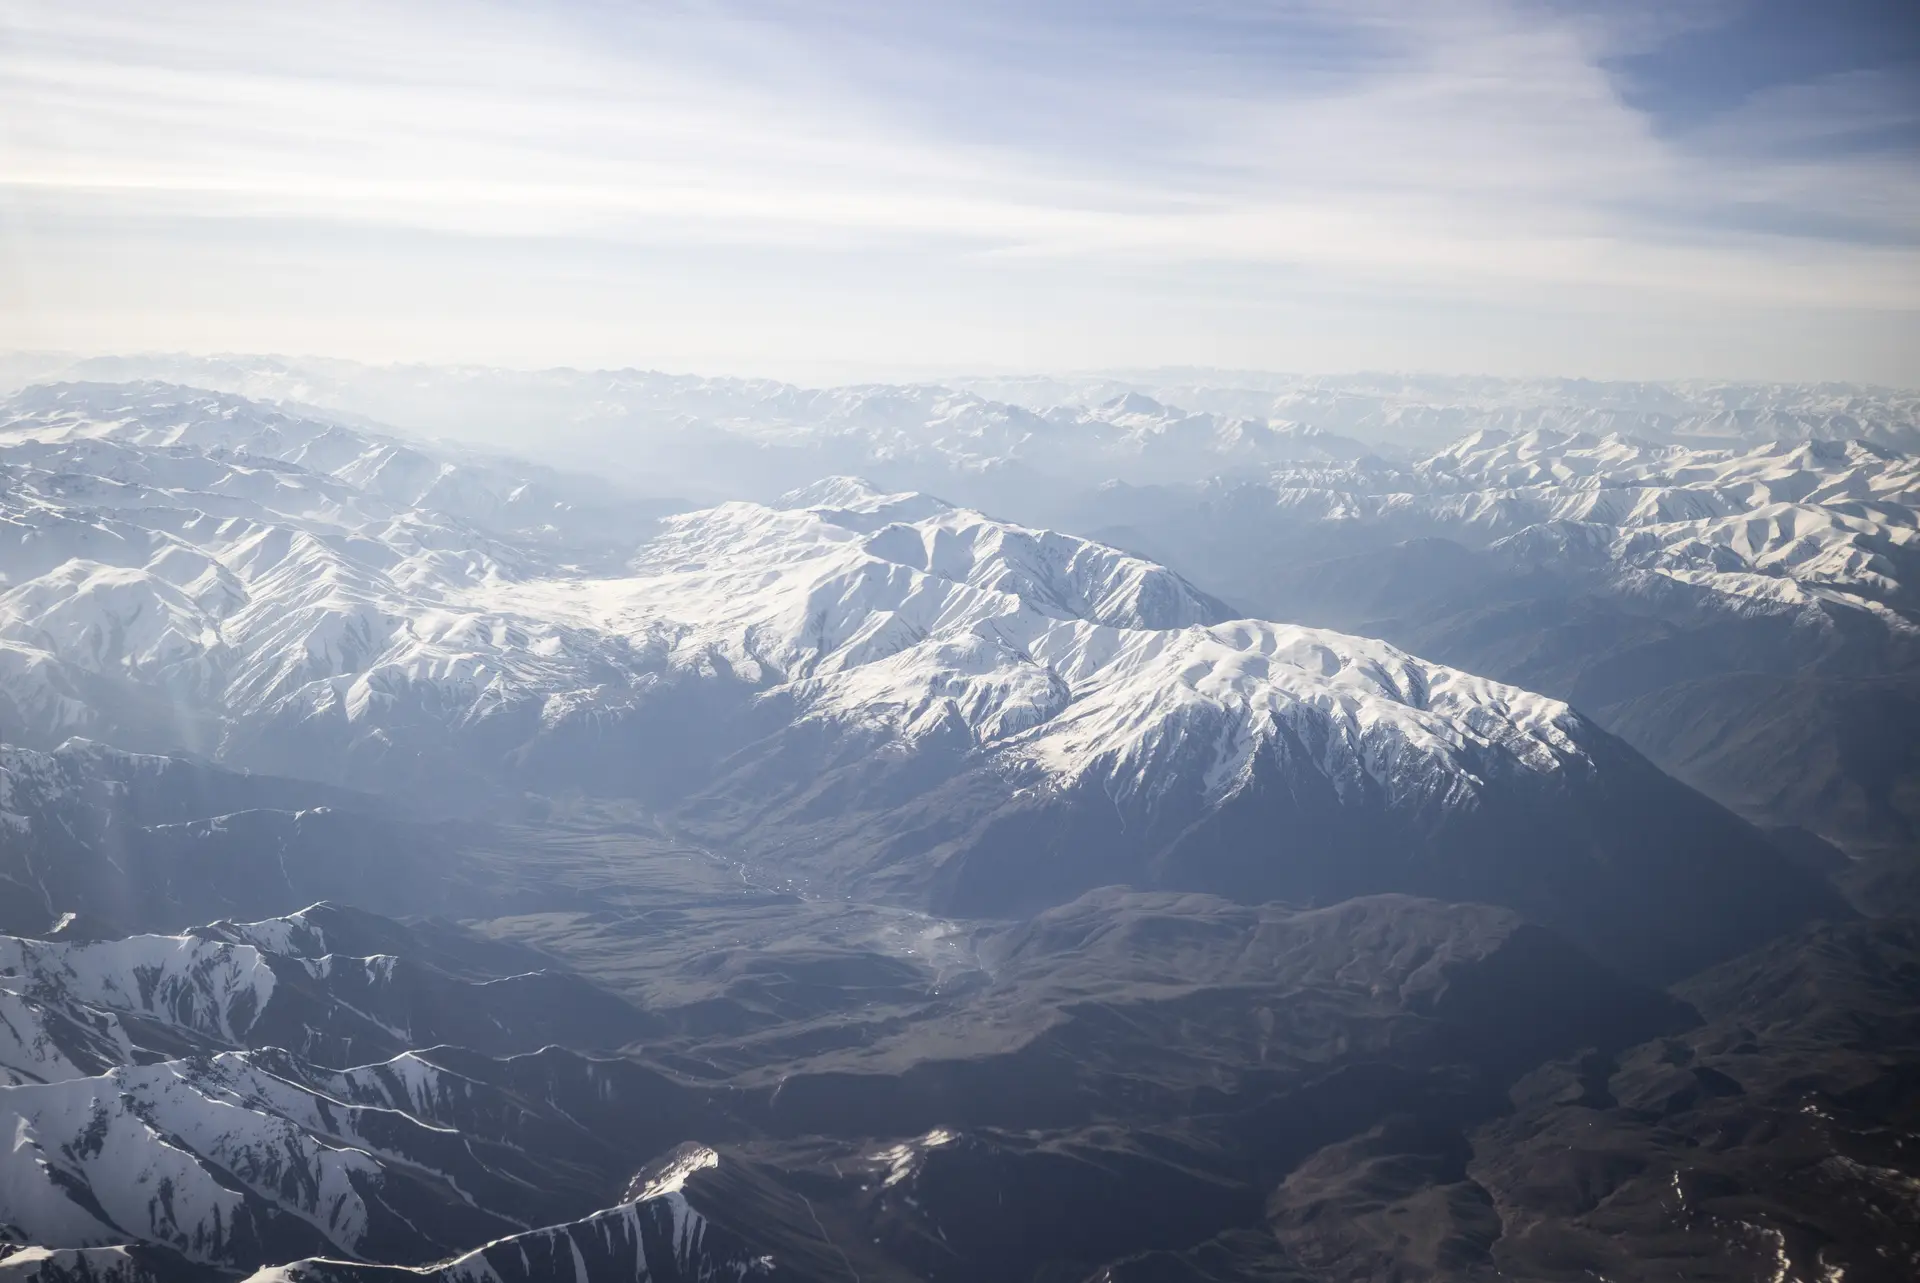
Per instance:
x=991, y=441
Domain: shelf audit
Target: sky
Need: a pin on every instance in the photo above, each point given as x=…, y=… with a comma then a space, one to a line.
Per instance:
x=824, y=189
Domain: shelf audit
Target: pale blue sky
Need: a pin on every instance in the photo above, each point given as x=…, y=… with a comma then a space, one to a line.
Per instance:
x=841, y=188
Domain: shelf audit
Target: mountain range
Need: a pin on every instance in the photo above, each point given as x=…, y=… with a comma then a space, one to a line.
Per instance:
x=1192, y=845
x=876, y=694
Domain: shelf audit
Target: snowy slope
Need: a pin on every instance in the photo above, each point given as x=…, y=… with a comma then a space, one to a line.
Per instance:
x=148, y=588
x=276, y=982
x=120, y=1135
x=276, y=450
x=235, y=1157
x=268, y=1159
x=889, y=613
x=53, y=1041
x=131, y=1263
x=209, y=989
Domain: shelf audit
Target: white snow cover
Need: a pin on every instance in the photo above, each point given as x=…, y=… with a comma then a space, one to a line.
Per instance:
x=275, y=600
x=1776, y=525
x=620, y=1232
x=125, y=1135
x=903, y=1160
x=291, y=935
x=669, y=1174
x=1068, y=656
x=408, y=1083
x=145, y=1142
x=38, y=1039
x=211, y=988
x=223, y=561
x=113, y=1264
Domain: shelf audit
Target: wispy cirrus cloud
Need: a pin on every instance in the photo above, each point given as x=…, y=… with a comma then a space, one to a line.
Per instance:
x=1472, y=148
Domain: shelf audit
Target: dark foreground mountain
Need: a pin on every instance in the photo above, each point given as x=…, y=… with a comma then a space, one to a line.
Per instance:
x=1834, y=758
x=100, y=842
x=1773, y=1140
x=1133, y=1085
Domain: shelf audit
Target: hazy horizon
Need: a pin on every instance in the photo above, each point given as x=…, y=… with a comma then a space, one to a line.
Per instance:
x=23, y=366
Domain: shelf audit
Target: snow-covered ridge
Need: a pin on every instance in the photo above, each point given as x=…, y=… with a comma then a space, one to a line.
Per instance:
x=143, y=1107
x=1411, y=411
x=99, y=1122
x=661, y=1237
x=225, y=446
x=114, y=1264
x=311, y=620
x=186, y=548
x=217, y=990
x=296, y=934
x=885, y=649
x=1782, y=524
x=882, y=614
x=98, y=1134
x=64, y=1004
x=259, y=1155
